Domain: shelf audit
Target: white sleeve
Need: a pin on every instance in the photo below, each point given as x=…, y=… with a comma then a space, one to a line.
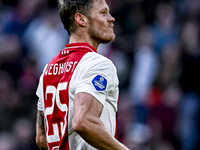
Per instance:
x=39, y=93
x=98, y=78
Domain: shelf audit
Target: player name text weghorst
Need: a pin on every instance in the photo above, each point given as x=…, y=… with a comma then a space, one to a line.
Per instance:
x=59, y=68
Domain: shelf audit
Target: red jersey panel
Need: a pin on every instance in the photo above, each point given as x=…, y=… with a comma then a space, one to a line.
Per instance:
x=57, y=76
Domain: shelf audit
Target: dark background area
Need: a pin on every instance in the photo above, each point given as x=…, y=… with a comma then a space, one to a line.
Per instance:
x=156, y=53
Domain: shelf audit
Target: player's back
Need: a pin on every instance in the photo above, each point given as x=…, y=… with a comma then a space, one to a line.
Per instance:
x=56, y=79
x=77, y=68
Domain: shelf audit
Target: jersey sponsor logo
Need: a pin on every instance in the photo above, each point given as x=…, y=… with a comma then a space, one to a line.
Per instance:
x=99, y=83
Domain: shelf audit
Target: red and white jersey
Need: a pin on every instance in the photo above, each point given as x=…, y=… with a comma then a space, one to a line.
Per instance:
x=77, y=68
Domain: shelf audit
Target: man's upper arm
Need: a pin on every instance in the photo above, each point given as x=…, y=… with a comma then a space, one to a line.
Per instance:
x=86, y=107
x=40, y=121
x=40, y=131
x=86, y=122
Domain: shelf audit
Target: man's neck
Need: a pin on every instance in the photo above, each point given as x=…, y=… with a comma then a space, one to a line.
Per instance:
x=84, y=39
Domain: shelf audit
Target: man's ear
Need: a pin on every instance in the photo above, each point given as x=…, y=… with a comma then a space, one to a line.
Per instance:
x=81, y=19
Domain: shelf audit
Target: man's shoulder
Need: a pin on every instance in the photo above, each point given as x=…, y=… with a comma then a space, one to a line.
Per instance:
x=96, y=57
x=95, y=61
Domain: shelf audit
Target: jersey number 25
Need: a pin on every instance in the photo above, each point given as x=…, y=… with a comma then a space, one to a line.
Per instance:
x=49, y=111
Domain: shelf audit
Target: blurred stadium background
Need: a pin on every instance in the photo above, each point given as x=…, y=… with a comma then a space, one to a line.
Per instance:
x=156, y=52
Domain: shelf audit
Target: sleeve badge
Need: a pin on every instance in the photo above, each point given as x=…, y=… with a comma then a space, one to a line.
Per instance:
x=99, y=82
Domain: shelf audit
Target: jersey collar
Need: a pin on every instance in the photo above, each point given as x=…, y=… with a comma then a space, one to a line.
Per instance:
x=80, y=46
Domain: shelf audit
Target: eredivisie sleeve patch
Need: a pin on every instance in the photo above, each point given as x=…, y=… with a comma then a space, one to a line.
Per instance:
x=99, y=83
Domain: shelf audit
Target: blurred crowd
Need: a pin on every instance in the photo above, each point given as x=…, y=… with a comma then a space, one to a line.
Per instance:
x=157, y=55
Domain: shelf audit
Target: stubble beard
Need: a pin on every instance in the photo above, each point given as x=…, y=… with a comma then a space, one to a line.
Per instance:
x=101, y=37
